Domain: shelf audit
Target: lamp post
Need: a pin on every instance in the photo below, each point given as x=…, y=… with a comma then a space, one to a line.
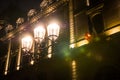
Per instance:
x=32, y=46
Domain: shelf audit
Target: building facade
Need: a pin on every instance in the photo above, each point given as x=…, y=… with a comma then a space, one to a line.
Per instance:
x=88, y=46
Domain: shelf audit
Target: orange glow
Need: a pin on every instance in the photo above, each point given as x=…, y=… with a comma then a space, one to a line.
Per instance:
x=87, y=36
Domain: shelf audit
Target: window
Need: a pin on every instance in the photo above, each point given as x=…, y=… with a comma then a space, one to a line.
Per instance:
x=98, y=23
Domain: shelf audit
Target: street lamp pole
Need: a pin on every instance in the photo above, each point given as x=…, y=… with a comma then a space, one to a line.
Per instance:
x=32, y=46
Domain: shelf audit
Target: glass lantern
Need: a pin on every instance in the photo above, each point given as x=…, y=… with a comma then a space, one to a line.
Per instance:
x=27, y=43
x=39, y=34
x=53, y=31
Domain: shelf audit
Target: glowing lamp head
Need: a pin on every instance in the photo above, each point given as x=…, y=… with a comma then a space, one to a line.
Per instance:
x=32, y=62
x=53, y=31
x=49, y=55
x=27, y=43
x=39, y=33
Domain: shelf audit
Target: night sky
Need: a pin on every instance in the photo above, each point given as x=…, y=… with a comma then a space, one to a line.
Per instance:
x=22, y=4
x=10, y=10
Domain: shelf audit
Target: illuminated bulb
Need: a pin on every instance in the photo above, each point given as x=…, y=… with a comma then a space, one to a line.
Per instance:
x=72, y=45
x=39, y=33
x=49, y=55
x=73, y=63
x=53, y=31
x=32, y=62
x=5, y=73
x=27, y=43
x=74, y=72
x=18, y=68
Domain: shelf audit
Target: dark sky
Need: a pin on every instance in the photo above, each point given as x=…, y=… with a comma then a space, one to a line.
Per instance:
x=22, y=4
x=10, y=10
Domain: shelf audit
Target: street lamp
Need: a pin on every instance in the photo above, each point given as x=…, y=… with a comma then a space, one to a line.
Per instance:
x=27, y=43
x=32, y=46
x=42, y=38
x=39, y=33
x=53, y=31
